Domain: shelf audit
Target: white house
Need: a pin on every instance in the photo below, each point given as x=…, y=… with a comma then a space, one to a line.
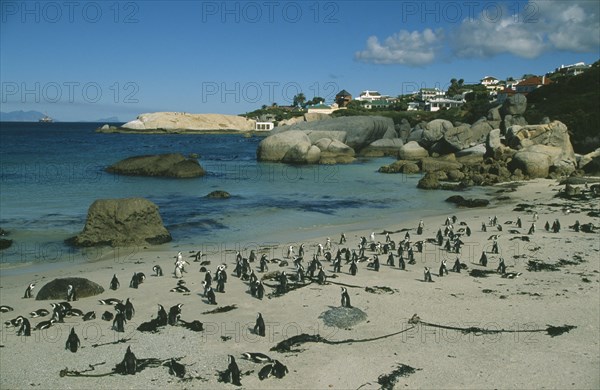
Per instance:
x=371, y=96
x=426, y=94
x=264, y=126
x=439, y=103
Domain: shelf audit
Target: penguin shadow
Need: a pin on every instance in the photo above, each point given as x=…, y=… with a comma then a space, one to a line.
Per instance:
x=425, y=281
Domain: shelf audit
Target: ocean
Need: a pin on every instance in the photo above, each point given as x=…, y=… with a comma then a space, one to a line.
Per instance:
x=51, y=173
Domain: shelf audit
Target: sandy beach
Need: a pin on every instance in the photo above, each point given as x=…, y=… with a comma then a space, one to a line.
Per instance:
x=441, y=357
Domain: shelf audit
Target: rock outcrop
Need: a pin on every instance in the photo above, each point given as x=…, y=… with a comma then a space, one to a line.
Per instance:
x=57, y=289
x=219, y=194
x=309, y=142
x=412, y=151
x=163, y=165
x=177, y=122
x=122, y=222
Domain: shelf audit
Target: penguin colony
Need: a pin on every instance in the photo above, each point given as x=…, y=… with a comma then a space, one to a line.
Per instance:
x=343, y=259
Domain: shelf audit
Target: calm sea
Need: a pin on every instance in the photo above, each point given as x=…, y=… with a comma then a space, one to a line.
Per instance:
x=51, y=173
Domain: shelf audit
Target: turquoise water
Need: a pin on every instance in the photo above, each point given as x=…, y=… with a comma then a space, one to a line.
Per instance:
x=51, y=173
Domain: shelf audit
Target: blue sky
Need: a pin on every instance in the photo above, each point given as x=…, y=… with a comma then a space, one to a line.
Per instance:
x=87, y=60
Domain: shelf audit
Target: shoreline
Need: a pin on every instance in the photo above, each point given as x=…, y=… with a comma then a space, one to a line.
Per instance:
x=442, y=359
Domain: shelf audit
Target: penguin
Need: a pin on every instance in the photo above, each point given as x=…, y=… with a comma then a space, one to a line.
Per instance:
x=129, y=310
x=519, y=223
x=75, y=313
x=345, y=298
x=107, y=316
x=427, y=275
x=5, y=309
x=58, y=312
x=353, y=268
x=134, y=283
x=259, y=327
x=129, y=362
x=210, y=295
x=109, y=301
x=174, y=314
x=279, y=370
x=263, y=263
x=257, y=357
x=45, y=324
x=372, y=237
x=14, y=322
x=234, y=371
x=443, y=269
x=39, y=313
x=25, y=326
x=456, y=267
x=265, y=372
x=114, y=283
x=90, y=315
x=161, y=318
x=483, y=259
x=29, y=290
x=321, y=276
x=221, y=277
x=495, y=247
x=468, y=231
x=342, y=238
x=260, y=290
x=401, y=263
x=180, y=289
x=176, y=369
x=178, y=272
x=531, y=229
x=483, y=227
x=119, y=322
x=501, y=267
x=157, y=270
x=71, y=293
x=73, y=341
x=512, y=275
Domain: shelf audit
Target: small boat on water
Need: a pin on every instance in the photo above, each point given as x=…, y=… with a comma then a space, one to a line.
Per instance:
x=46, y=119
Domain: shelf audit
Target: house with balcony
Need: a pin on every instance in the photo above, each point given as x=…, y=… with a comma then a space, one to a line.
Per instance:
x=531, y=84
x=426, y=94
x=442, y=103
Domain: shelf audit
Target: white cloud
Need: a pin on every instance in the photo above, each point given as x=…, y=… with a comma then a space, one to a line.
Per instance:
x=408, y=48
x=539, y=27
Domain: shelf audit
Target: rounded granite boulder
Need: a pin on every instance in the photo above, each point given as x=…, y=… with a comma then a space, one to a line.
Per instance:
x=173, y=165
x=57, y=289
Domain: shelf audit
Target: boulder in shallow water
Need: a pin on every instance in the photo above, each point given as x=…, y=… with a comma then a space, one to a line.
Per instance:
x=162, y=165
x=219, y=195
x=122, y=222
x=57, y=289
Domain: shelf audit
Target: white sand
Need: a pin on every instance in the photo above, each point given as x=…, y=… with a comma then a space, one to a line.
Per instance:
x=444, y=358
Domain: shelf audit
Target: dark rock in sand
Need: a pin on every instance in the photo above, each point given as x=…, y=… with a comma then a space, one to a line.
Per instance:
x=163, y=165
x=219, y=195
x=121, y=222
x=57, y=289
x=343, y=317
x=462, y=202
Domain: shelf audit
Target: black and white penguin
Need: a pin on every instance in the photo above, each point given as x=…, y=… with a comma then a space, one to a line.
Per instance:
x=279, y=370
x=259, y=327
x=263, y=263
x=321, y=277
x=29, y=290
x=162, y=319
x=210, y=296
x=180, y=289
x=427, y=275
x=129, y=310
x=72, y=341
x=90, y=315
x=234, y=372
x=109, y=301
x=501, y=267
x=456, y=267
x=483, y=259
x=512, y=275
x=256, y=357
x=531, y=229
x=176, y=369
x=129, y=362
x=5, y=309
x=107, y=316
x=443, y=269
x=24, y=326
x=74, y=313
x=58, y=312
x=260, y=290
x=353, y=268
x=134, y=283
x=71, y=293
x=157, y=270
x=39, y=313
x=45, y=324
x=174, y=314
x=119, y=322
x=114, y=282
x=345, y=298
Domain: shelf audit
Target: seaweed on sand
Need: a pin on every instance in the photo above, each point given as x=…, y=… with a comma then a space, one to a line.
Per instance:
x=387, y=381
x=222, y=309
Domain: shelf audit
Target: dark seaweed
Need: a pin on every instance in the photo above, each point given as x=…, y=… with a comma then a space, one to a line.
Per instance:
x=379, y=290
x=481, y=273
x=387, y=381
x=223, y=309
x=558, y=330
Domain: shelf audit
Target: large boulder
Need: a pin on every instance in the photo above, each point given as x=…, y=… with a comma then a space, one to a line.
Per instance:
x=276, y=146
x=590, y=163
x=122, y=222
x=515, y=105
x=443, y=164
x=162, y=165
x=532, y=163
x=357, y=131
x=334, y=151
x=57, y=289
x=383, y=147
x=434, y=131
x=403, y=129
x=463, y=137
x=412, y=151
x=400, y=166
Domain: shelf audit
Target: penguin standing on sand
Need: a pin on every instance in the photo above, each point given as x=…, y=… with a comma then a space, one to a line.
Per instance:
x=345, y=298
x=263, y=263
x=176, y=369
x=134, y=281
x=233, y=372
x=443, y=269
x=119, y=322
x=501, y=267
x=353, y=268
x=130, y=362
x=210, y=295
x=129, y=310
x=531, y=229
x=114, y=282
x=401, y=262
x=174, y=314
x=321, y=278
x=29, y=290
x=221, y=278
x=427, y=275
x=71, y=293
x=456, y=267
x=483, y=259
x=495, y=247
x=157, y=270
x=25, y=326
x=259, y=327
x=519, y=223
x=73, y=341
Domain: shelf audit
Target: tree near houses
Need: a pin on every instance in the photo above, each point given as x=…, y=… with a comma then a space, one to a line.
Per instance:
x=299, y=100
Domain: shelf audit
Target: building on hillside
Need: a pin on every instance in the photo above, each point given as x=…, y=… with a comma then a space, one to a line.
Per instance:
x=264, y=126
x=426, y=94
x=376, y=104
x=324, y=108
x=343, y=98
x=491, y=83
x=439, y=103
x=572, y=70
x=371, y=96
x=413, y=106
x=531, y=84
